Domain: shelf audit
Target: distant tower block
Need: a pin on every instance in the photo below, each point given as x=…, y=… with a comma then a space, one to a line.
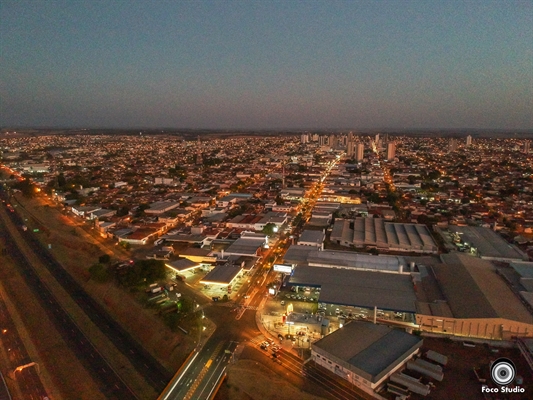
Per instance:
x=452, y=146
x=391, y=150
x=469, y=140
x=199, y=159
x=527, y=145
x=359, y=150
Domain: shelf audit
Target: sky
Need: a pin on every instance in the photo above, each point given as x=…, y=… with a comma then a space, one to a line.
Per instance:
x=267, y=64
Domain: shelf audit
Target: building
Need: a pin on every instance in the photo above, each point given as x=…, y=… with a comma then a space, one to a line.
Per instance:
x=486, y=244
x=527, y=144
x=312, y=238
x=391, y=151
x=469, y=140
x=386, y=236
x=452, y=145
x=467, y=296
x=160, y=207
x=304, y=138
x=359, y=150
x=365, y=354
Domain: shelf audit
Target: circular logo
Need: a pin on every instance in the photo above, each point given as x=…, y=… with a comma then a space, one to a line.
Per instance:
x=502, y=371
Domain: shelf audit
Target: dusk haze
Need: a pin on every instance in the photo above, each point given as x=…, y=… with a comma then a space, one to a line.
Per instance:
x=267, y=65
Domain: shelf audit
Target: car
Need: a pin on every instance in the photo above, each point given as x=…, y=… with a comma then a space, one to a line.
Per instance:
x=337, y=311
x=245, y=296
x=282, y=302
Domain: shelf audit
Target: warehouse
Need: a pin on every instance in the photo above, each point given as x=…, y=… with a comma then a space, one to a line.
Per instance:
x=386, y=236
x=487, y=244
x=365, y=354
x=356, y=288
x=465, y=296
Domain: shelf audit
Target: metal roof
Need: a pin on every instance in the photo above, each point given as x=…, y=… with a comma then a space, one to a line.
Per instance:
x=488, y=243
x=370, y=350
x=222, y=274
x=359, y=288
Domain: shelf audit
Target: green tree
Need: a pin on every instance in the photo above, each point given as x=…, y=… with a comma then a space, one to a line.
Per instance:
x=104, y=259
x=99, y=273
x=268, y=229
x=144, y=271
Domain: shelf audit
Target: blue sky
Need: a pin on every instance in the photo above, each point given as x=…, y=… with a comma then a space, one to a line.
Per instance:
x=267, y=64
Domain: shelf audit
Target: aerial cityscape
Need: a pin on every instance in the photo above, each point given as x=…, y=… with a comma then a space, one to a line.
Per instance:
x=279, y=200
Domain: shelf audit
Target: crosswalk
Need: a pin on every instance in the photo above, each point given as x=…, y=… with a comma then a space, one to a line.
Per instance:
x=258, y=339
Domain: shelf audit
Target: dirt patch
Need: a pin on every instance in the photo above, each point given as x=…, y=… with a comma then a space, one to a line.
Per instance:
x=250, y=380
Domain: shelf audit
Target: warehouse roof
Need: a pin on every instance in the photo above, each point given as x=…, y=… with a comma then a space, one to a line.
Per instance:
x=306, y=255
x=372, y=350
x=488, y=243
x=359, y=288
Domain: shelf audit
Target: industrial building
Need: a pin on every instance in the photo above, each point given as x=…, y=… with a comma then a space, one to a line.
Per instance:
x=365, y=354
x=385, y=236
x=465, y=296
x=486, y=244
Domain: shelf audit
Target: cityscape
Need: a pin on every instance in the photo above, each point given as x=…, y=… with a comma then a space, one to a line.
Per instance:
x=277, y=200
x=296, y=253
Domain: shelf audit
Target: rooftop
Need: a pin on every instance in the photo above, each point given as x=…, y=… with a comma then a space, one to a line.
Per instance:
x=372, y=350
x=359, y=288
x=222, y=274
x=488, y=243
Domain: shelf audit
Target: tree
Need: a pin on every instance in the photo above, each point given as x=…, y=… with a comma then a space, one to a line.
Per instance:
x=144, y=271
x=268, y=229
x=99, y=273
x=104, y=259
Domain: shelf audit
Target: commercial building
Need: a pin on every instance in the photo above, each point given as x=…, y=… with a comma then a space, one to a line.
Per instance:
x=487, y=244
x=365, y=354
x=465, y=296
x=159, y=207
x=386, y=236
x=312, y=238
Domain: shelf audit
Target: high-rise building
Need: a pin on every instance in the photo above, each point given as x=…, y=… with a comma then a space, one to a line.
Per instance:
x=469, y=140
x=391, y=150
x=323, y=140
x=350, y=149
x=333, y=141
x=359, y=150
x=527, y=144
x=304, y=138
x=452, y=145
x=377, y=139
x=315, y=137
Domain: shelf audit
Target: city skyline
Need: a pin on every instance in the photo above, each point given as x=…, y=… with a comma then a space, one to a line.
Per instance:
x=238, y=65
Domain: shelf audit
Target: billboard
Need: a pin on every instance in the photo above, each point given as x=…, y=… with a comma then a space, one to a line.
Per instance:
x=286, y=269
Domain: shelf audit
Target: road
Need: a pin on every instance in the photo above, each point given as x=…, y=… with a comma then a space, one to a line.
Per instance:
x=27, y=379
x=111, y=384
x=237, y=326
x=153, y=372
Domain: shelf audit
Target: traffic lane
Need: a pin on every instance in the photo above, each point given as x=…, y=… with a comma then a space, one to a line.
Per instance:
x=189, y=374
x=214, y=372
x=28, y=380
